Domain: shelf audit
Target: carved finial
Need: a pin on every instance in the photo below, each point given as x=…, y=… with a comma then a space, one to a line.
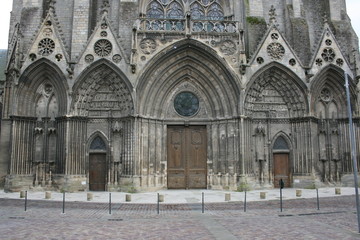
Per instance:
x=117, y=128
x=51, y=6
x=272, y=14
x=325, y=18
x=105, y=6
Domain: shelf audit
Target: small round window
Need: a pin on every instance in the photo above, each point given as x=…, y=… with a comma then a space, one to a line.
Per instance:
x=186, y=104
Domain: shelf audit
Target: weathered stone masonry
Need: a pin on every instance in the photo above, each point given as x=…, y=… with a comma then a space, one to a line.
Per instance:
x=117, y=95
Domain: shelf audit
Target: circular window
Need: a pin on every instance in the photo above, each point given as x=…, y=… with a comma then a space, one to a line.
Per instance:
x=186, y=104
x=46, y=47
x=103, y=48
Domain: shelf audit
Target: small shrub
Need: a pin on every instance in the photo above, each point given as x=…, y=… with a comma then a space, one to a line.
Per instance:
x=310, y=186
x=243, y=186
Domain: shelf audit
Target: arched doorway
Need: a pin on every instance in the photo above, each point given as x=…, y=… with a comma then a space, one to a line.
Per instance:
x=281, y=162
x=97, y=165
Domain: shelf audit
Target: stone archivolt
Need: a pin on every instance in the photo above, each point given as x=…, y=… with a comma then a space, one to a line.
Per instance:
x=276, y=93
x=102, y=91
x=175, y=67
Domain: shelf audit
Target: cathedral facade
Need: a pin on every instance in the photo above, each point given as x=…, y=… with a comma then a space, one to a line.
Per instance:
x=117, y=95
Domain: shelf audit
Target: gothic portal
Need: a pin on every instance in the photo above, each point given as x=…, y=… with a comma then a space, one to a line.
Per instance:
x=117, y=95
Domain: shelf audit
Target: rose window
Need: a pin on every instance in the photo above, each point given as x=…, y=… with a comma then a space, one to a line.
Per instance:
x=276, y=51
x=325, y=95
x=46, y=47
x=328, y=55
x=274, y=36
x=260, y=60
x=339, y=62
x=103, y=48
x=319, y=62
x=328, y=42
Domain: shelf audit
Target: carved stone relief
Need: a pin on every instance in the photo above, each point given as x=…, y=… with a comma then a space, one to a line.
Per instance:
x=228, y=47
x=269, y=103
x=148, y=46
x=103, y=93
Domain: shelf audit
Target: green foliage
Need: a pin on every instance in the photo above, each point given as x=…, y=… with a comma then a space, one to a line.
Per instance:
x=129, y=188
x=310, y=186
x=243, y=186
x=255, y=20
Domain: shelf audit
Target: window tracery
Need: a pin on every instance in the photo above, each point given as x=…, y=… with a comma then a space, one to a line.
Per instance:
x=155, y=10
x=199, y=9
x=215, y=12
x=98, y=144
x=175, y=10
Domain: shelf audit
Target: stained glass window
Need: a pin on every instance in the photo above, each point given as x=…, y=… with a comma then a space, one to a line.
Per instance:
x=98, y=144
x=280, y=144
x=175, y=10
x=197, y=11
x=155, y=10
x=215, y=12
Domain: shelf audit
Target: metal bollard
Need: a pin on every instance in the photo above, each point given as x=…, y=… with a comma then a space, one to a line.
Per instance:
x=245, y=202
x=63, y=210
x=281, y=206
x=109, y=203
x=158, y=203
x=317, y=199
x=25, y=201
x=202, y=207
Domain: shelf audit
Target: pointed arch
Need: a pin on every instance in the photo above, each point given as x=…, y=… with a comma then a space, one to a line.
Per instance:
x=209, y=9
x=175, y=10
x=32, y=86
x=215, y=12
x=281, y=142
x=101, y=88
x=197, y=11
x=188, y=60
x=98, y=142
x=155, y=10
x=332, y=79
x=282, y=91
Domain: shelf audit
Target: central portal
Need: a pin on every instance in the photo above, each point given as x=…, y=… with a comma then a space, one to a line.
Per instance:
x=186, y=157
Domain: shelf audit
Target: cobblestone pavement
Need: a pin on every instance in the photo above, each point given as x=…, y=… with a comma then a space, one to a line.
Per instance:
x=299, y=219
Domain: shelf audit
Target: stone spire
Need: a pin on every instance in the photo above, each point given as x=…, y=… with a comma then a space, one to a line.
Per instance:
x=105, y=7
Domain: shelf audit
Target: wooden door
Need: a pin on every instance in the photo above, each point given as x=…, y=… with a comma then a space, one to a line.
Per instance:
x=187, y=157
x=97, y=172
x=281, y=169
